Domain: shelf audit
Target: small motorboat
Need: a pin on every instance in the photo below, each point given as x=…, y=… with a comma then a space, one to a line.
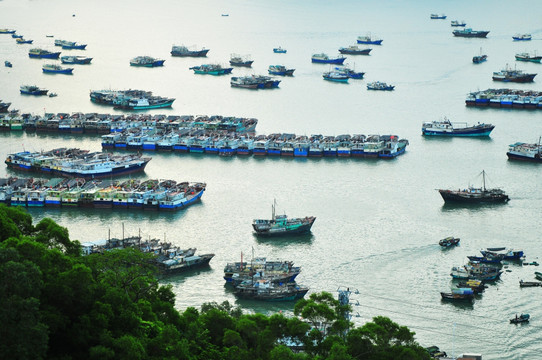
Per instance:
x=7, y=64
x=523, y=318
x=449, y=241
x=279, y=50
x=538, y=275
x=52, y=94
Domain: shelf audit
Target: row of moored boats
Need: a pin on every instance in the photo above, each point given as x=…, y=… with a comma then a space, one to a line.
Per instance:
x=163, y=195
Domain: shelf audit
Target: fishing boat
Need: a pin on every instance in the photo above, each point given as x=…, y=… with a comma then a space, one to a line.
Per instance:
x=468, y=32
x=70, y=45
x=145, y=103
x=438, y=17
x=523, y=318
x=4, y=106
x=16, y=36
x=8, y=64
x=43, y=54
x=350, y=73
x=508, y=254
x=529, y=283
x=281, y=225
x=238, y=60
x=211, y=69
x=146, y=61
x=525, y=151
x=447, y=128
x=23, y=41
x=522, y=37
x=56, y=69
x=75, y=59
x=183, y=51
x=513, y=75
x=488, y=258
x=477, y=286
x=175, y=261
x=474, y=195
x=458, y=294
x=477, y=59
x=354, y=50
x=368, y=39
x=377, y=85
x=279, y=50
x=335, y=76
x=458, y=23
x=265, y=290
x=449, y=242
x=325, y=59
x=32, y=90
x=538, y=275
x=7, y=31
x=280, y=70
x=528, y=57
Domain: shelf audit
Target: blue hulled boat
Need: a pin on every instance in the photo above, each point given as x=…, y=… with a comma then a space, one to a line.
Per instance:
x=43, y=54
x=279, y=50
x=447, y=128
x=325, y=59
x=56, y=69
x=367, y=39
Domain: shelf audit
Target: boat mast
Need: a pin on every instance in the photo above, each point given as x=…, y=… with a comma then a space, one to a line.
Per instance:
x=484, y=179
x=273, y=209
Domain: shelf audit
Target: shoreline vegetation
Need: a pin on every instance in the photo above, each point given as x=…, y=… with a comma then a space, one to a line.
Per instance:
x=58, y=304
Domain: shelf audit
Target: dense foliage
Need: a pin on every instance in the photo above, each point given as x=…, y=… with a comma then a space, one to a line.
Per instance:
x=57, y=304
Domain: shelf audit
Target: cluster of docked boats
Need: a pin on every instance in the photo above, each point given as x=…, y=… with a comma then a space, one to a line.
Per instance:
x=264, y=280
x=169, y=259
x=77, y=163
x=92, y=123
x=372, y=146
x=166, y=195
x=479, y=270
x=506, y=98
x=130, y=99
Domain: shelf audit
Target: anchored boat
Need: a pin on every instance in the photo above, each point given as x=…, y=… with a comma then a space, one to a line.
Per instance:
x=281, y=225
x=474, y=195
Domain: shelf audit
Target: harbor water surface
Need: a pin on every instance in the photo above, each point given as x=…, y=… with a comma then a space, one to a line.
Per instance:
x=378, y=222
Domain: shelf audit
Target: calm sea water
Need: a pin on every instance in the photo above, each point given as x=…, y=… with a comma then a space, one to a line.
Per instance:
x=378, y=222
